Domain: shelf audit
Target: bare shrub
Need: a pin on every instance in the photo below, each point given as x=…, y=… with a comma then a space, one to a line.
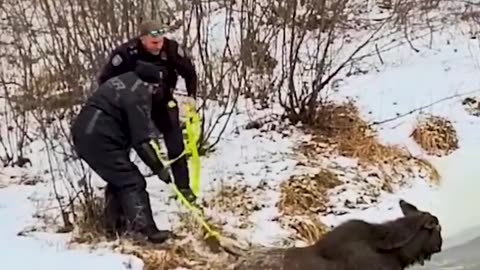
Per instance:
x=52, y=56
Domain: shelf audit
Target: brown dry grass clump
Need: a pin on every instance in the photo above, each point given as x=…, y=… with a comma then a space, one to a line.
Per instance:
x=436, y=135
x=302, y=195
x=176, y=254
x=308, y=228
x=242, y=201
x=89, y=221
x=341, y=126
x=188, y=253
x=154, y=259
x=302, y=199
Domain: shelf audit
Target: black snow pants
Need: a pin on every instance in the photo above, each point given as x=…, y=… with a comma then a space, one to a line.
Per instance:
x=127, y=203
x=165, y=114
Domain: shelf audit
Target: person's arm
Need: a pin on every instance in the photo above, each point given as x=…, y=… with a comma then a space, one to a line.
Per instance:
x=138, y=106
x=184, y=66
x=118, y=62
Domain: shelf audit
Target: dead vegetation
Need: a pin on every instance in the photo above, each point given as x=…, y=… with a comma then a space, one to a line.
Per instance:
x=307, y=228
x=83, y=54
x=302, y=200
x=436, y=135
x=241, y=201
x=301, y=195
x=187, y=253
x=341, y=127
x=189, y=249
x=88, y=222
x=472, y=106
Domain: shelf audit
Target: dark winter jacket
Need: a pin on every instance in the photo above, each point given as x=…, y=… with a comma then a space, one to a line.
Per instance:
x=121, y=119
x=128, y=101
x=172, y=58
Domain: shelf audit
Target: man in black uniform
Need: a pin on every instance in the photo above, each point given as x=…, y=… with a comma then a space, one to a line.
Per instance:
x=116, y=118
x=151, y=46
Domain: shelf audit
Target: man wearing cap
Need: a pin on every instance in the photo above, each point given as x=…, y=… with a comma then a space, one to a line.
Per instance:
x=116, y=118
x=151, y=46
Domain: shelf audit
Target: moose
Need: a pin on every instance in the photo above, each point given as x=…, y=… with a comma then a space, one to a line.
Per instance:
x=359, y=245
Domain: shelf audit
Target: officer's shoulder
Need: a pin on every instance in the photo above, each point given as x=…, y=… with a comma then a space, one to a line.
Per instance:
x=175, y=48
x=129, y=47
x=170, y=42
x=122, y=81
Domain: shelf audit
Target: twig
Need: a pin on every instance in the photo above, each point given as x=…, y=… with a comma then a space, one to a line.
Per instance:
x=378, y=54
x=375, y=123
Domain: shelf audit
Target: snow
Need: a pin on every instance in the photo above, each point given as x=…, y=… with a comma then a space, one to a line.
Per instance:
x=44, y=250
x=429, y=76
x=262, y=159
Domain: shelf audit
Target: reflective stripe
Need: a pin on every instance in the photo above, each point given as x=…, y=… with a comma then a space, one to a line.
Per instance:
x=93, y=121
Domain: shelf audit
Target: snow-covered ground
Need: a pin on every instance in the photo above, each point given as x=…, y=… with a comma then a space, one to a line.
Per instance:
x=449, y=69
x=262, y=159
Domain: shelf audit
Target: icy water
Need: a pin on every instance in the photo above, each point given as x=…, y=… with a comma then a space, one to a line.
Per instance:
x=458, y=211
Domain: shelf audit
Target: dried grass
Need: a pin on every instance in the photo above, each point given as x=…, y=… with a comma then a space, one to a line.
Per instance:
x=242, y=201
x=189, y=251
x=436, y=135
x=340, y=126
x=89, y=228
x=302, y=195
x=308, y=228
x=182, y=253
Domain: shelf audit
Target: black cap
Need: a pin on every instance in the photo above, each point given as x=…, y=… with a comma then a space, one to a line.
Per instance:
x=148, y=72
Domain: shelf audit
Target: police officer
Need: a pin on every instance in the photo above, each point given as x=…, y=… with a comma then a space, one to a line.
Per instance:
x=151, y=46
x=116, y=118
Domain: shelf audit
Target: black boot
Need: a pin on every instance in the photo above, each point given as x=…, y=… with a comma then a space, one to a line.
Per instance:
x=138, y=213
x=112, y=214
x=188, y=194
x=190, y=197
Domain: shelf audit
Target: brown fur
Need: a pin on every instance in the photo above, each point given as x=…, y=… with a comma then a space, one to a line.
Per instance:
x=357, y=244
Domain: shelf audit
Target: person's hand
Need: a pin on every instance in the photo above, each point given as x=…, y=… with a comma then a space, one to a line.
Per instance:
x=191, y=103
x=164, y=175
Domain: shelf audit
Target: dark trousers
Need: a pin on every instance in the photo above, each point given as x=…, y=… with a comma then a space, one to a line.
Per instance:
x=126, y=194
x=165, y=115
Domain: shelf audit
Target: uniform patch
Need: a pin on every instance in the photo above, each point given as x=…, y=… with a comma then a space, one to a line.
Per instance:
x=117, y=83
x=117, y=60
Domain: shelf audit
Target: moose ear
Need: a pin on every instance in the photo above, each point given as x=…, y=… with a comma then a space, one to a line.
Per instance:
x=431, y=223
x=407, y=208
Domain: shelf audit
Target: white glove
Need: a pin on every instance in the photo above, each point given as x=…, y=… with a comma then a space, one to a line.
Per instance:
x=191, y=103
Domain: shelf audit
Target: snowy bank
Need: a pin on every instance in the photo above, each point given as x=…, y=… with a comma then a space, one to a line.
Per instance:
x=250, y=165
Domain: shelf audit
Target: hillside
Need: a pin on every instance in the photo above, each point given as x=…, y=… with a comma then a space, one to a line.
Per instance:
x=279, y=174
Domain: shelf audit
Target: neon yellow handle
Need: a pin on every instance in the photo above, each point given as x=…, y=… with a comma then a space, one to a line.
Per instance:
x=193, y=135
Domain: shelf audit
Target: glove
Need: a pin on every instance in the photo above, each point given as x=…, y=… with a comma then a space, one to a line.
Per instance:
x=191, y=103
x=164, y=175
